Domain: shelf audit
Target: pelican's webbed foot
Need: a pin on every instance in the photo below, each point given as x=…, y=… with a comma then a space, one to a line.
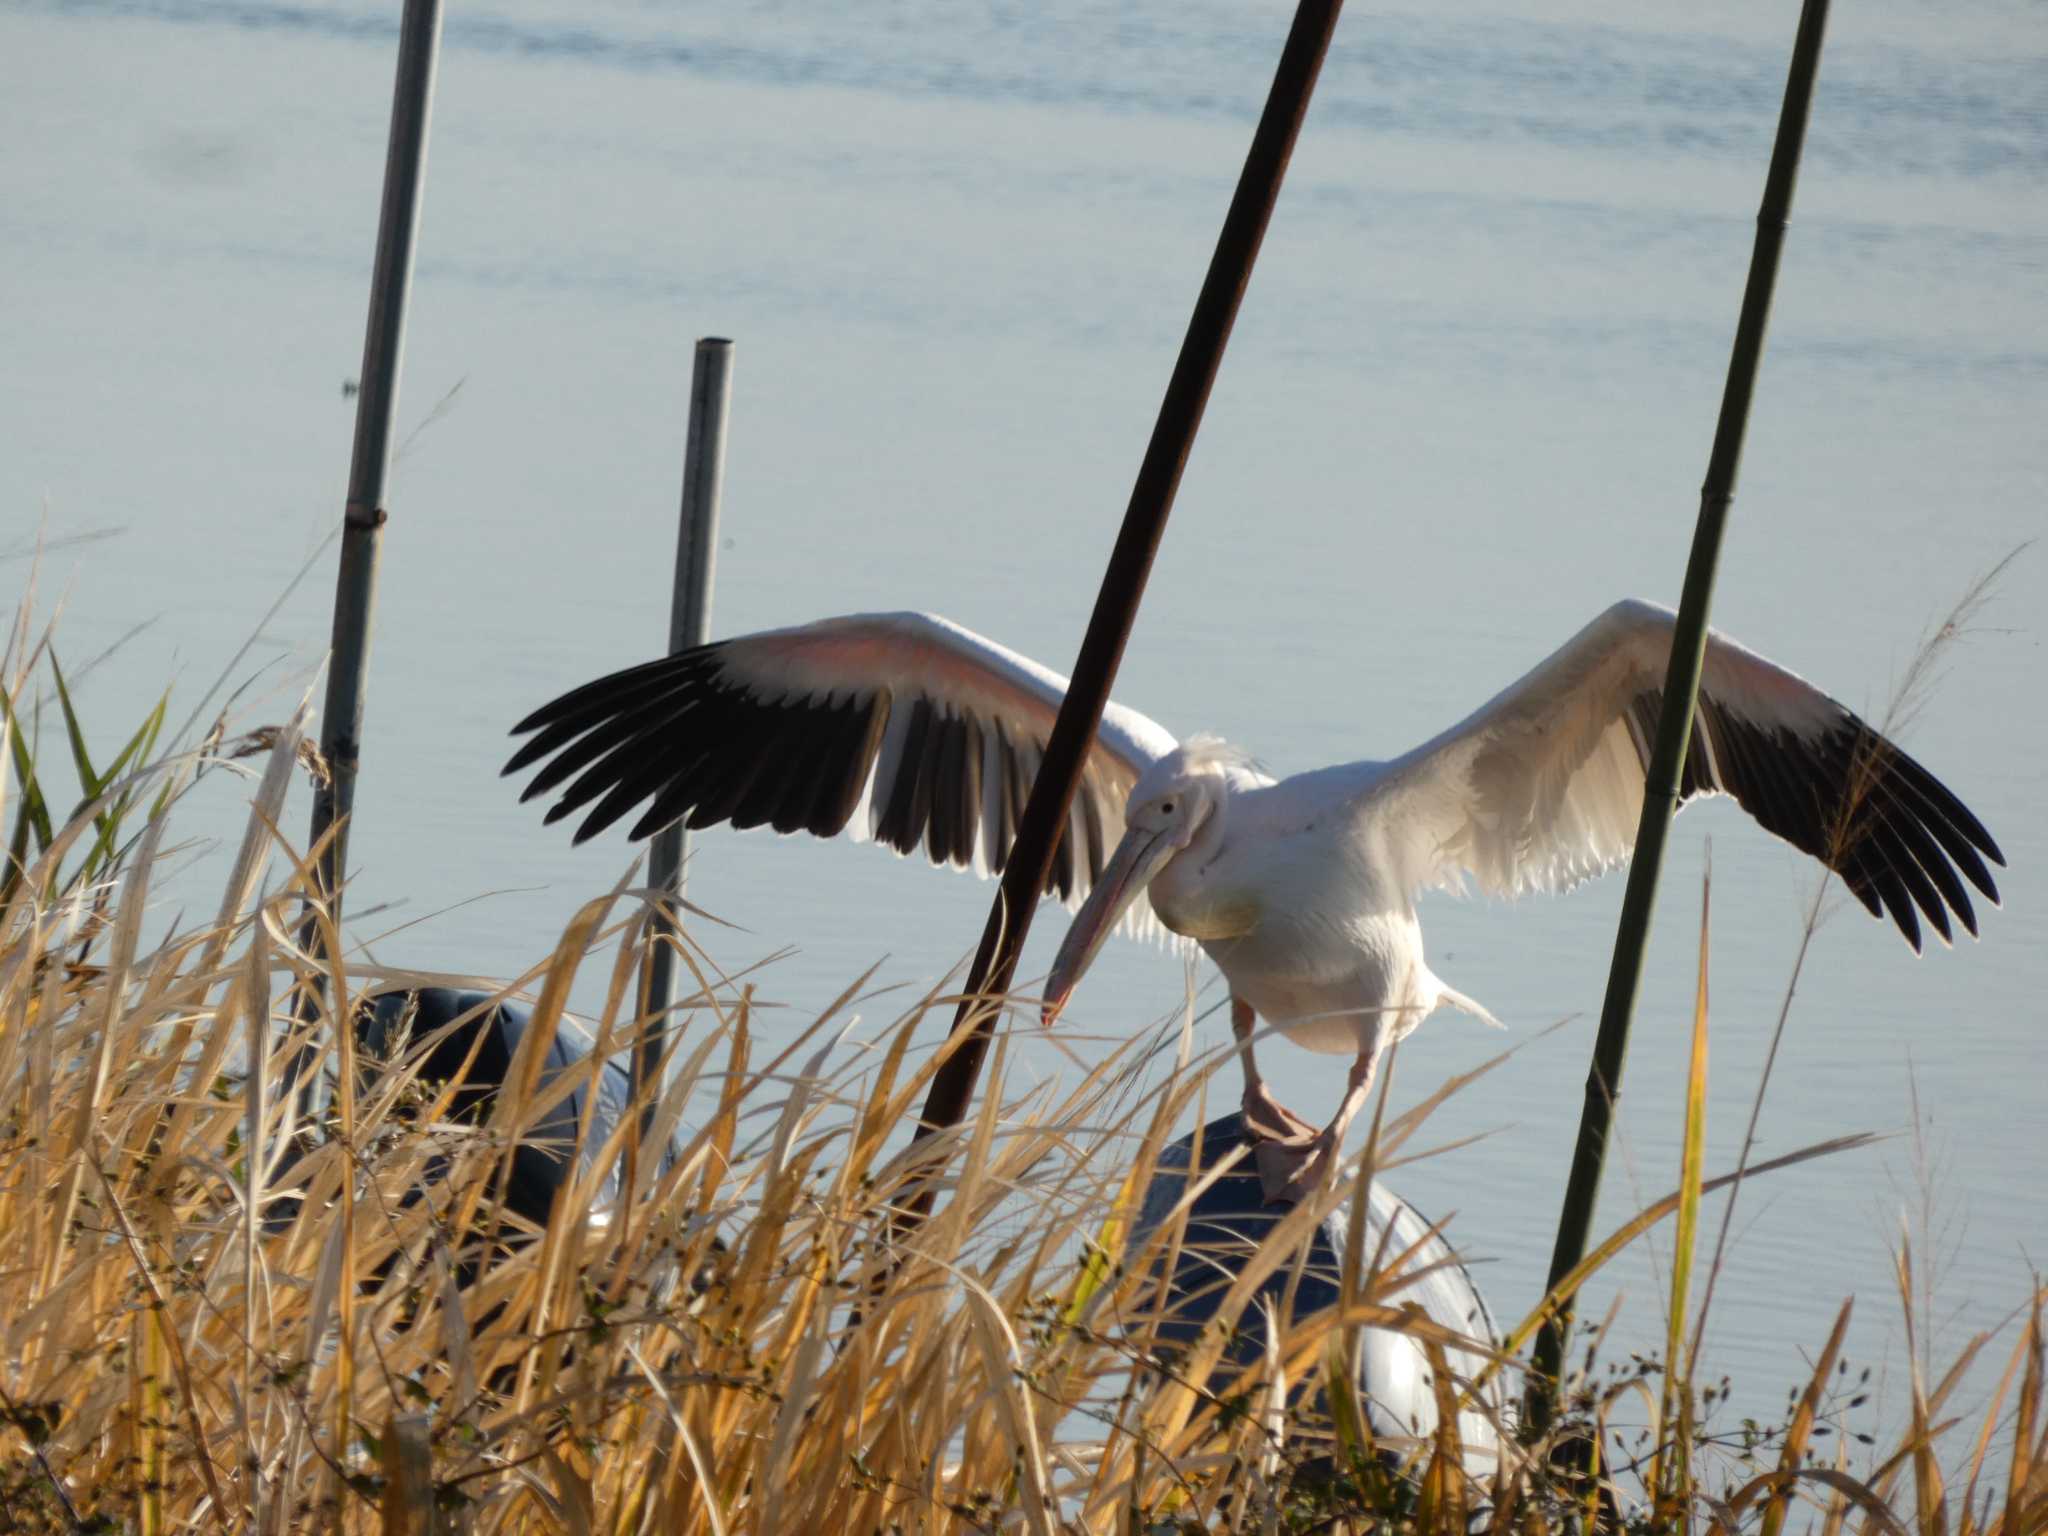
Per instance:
x=1291, y=1171
x=1291, y=1155
x=1266, y=1119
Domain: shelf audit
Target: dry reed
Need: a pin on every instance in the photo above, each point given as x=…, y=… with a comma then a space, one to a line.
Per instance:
x=219, y=1317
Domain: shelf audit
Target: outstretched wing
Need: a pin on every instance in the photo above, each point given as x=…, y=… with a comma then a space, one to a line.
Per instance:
x=1543, y=787
x=902, y=728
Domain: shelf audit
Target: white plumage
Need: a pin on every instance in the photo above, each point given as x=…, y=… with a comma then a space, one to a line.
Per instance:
x=914, y=732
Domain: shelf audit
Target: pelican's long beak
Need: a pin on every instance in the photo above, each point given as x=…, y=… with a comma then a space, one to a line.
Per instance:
x=1139, y=857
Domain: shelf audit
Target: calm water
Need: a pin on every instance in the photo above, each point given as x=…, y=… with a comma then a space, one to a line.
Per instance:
x=1467, y=405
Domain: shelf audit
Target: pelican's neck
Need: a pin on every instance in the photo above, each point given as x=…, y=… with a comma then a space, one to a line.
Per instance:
x=1185, y=894
x=1213, y=830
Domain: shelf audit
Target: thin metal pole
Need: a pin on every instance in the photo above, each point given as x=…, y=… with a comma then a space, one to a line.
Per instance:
x=355, y=589
x=689, y=625
x=1674, y=725
x=1123, y=584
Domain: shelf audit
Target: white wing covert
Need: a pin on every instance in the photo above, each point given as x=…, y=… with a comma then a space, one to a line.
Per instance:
x=1543, y=787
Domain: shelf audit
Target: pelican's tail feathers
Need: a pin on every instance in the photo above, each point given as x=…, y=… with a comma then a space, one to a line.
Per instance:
x=1458, y=1000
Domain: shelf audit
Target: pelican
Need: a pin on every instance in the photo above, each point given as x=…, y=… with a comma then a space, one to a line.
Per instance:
x=910, y=731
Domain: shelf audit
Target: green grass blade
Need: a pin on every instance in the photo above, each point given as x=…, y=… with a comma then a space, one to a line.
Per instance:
x=142, y=743
x=109, y=820
x=1670, y=1474
x=88, y=777
x=17, y=854
x=32, y=803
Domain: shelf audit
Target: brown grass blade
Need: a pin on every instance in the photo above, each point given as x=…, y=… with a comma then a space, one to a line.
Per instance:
x=2026, y=1484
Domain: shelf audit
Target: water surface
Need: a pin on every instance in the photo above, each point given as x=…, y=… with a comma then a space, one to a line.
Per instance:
x=1467, y=405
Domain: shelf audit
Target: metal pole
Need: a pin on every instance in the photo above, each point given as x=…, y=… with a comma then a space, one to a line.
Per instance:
x=689, y=625
x=355, y=591
x=1674, y=726
x=1123, y=584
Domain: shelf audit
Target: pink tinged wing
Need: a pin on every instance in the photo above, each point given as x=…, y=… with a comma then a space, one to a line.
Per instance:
x=1543, y=786
x=901, y=728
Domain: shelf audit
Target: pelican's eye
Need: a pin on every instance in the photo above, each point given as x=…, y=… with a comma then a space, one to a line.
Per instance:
x=1166, y=807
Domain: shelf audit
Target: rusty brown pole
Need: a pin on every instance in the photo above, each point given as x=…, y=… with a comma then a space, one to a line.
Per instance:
x=1123, y=585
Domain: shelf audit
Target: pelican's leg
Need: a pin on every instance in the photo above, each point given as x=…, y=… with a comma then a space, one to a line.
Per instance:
x=1265, y=1117
x=1290, y=1174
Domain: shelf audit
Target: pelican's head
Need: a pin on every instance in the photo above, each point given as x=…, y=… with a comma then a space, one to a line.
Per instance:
x=1172, y=805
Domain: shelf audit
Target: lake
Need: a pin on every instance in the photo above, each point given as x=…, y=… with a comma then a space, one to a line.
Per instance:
x=1467, y=405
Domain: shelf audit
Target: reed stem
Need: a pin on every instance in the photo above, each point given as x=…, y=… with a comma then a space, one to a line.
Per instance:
x=1674, y=725
x=1130, y=562
x=689, y=626
x=355, y=587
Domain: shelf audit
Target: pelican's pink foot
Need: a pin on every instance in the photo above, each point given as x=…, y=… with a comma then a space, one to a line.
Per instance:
x=1291, y=1171
x=1267, y=1119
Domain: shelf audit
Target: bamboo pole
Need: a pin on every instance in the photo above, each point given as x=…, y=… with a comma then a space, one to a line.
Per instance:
x=1123, y=584
x=1674, y=725
x=363, y=519
x=689, y=626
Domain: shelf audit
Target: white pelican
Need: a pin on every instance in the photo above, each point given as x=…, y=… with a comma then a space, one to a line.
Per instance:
x=914, y=732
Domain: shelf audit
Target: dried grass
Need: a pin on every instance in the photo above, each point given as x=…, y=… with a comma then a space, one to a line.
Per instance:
x=217, y=1316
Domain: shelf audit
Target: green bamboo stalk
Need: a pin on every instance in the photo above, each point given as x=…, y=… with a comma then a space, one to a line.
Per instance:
x=341, y=722
x=689, y=625
x=1674, y=725
x=355, y=587
x=1044, y=819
